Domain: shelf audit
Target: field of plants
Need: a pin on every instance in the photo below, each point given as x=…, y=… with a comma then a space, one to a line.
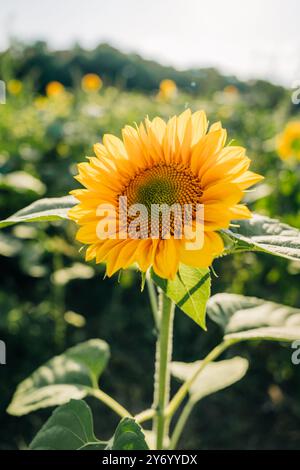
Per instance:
x=51, y=299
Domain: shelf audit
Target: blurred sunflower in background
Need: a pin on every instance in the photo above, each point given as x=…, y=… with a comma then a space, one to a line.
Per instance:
x=40, y=102
x=54, y=89
x=14, y=86
x=180, y=161
x=167, y=90
x=91, y=82
x=288, y=142
x=231, y=90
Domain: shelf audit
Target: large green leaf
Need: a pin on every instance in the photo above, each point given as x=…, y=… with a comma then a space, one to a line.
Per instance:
x=43, y=210
x=128, y=436
x=190, y=290
x=244, y=318
x=69, y=428
x=263, y=234
x=214, y=377
x=70, y=375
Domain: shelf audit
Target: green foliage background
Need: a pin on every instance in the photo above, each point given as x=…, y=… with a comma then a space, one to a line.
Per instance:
x=50, y=299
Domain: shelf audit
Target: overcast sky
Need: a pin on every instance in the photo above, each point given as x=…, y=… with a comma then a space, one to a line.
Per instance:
x=257, y=38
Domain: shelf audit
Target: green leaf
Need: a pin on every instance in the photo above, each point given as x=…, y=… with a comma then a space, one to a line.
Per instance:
x=43, y=210
x=69, y=428
x=261, y=191
x=9, y=246
x=214, y=377
x=22, y=182
x=265, y=235
x=76, y=271
x=249, y=318
x=70, y=375
x=128, y=436
x=190, y=290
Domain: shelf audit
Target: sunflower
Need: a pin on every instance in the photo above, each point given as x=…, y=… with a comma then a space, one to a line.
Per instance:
x=231, y=90
x=91, y=82
x=181, y=161
x=54, y=89
x=167, y=90
x=14, y=87
x=288, y=143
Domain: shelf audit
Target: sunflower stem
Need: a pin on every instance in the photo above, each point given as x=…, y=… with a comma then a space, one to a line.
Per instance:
x=181, y=424
x=153, y=299
x=110, y=402
x=145, y=415
x=162, y=367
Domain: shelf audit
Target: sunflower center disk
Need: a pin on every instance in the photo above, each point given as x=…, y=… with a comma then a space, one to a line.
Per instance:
x=163, y=185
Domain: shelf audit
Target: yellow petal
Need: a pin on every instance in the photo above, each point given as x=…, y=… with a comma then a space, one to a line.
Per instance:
x=216, y=216
x=87, y=233
x=105, y=247
x=166, y=258
x=122, y=256
x=91, y=252
x=145, y=253
x=156, y=131
x=203, y=258
x=134, y=147
x=170, y=141
x=204, y=153
x=197, y=258
x=114, y=146
x=248, y=179
x=229, y=164
x=199, y=126
x=184, y=133
x=240, y=211
x=182, y=121
x=227, y=193
x=100, y=151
